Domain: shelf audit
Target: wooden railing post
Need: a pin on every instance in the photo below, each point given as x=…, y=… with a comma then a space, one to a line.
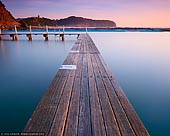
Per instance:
x=29, y=35
x=86, y=29
x=15, y=36
x=63, y=29
x=46, y=35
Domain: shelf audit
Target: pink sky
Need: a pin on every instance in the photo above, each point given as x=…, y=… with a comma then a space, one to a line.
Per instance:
x=133, y=13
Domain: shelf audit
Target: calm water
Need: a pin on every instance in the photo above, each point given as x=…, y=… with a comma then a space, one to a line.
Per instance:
x=140, y=62
x=26, y=70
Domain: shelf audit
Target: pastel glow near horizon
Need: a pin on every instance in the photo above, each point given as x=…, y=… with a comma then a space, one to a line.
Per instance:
x=126, y=13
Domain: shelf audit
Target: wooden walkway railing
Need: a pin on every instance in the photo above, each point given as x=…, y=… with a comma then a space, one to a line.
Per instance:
x=84, y=99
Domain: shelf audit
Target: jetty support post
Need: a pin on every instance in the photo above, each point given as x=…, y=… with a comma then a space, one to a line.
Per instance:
x=29, y=35
x=86, y=29
x=15, y=28
x=46, y=35
x=62, y=37
x=14, y=36
x=46, y=29
x=78, y=36
x=63, y=29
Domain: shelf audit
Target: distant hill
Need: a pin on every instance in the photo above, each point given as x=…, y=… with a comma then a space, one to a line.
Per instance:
x=83, y=22
x=36, y=21
x=70, y=21
x=7, y=21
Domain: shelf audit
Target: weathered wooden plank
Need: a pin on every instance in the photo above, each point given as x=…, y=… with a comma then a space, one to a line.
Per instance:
x=43, y=116
x=62, y=110
x=123, y=123
x=72, y=119
x=108, y=114
x=98, y=128
x=132, y=116
x=38, y=120
x=84, y=128
x=122, y=120
x=92, y=45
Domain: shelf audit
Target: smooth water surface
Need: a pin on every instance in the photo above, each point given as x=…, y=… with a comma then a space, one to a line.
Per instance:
x=26, y=71
x=141, y=64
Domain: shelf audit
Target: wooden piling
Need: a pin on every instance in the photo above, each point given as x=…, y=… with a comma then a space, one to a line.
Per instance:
x=14, y=37
x=86, y=29
x=46, y=29
x=30, y=29
x=63, y=29
x=46, y=37
x=29, y=37
x=15, y=28
x=62, y=37
x=78, y=36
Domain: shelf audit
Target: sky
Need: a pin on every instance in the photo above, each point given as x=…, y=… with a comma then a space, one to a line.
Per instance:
x=126, y=13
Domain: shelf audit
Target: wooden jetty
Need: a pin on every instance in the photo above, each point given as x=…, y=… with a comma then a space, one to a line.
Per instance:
x=85, y=99
x=29, y=34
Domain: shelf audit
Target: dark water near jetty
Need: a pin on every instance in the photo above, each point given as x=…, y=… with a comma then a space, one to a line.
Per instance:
x=140, y=62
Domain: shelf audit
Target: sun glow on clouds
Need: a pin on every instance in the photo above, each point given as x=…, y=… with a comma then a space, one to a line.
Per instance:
x=145, y=13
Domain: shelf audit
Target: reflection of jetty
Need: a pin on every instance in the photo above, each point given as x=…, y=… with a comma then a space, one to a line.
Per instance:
x=29, y=34
x=84, y=99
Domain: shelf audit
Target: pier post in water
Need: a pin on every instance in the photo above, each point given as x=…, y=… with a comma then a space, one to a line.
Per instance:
x=15, y=29
x=29, y=35
x=46, y=35
x=86, y=29
x=46, y=29
x=63, y=29
x=62, y=37
x=14, y=36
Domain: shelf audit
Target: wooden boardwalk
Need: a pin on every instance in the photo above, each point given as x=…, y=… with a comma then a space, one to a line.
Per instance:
x=15, y=35
x=85, y=101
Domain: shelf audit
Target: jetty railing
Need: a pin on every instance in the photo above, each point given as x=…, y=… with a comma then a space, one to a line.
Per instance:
x=14, y=34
